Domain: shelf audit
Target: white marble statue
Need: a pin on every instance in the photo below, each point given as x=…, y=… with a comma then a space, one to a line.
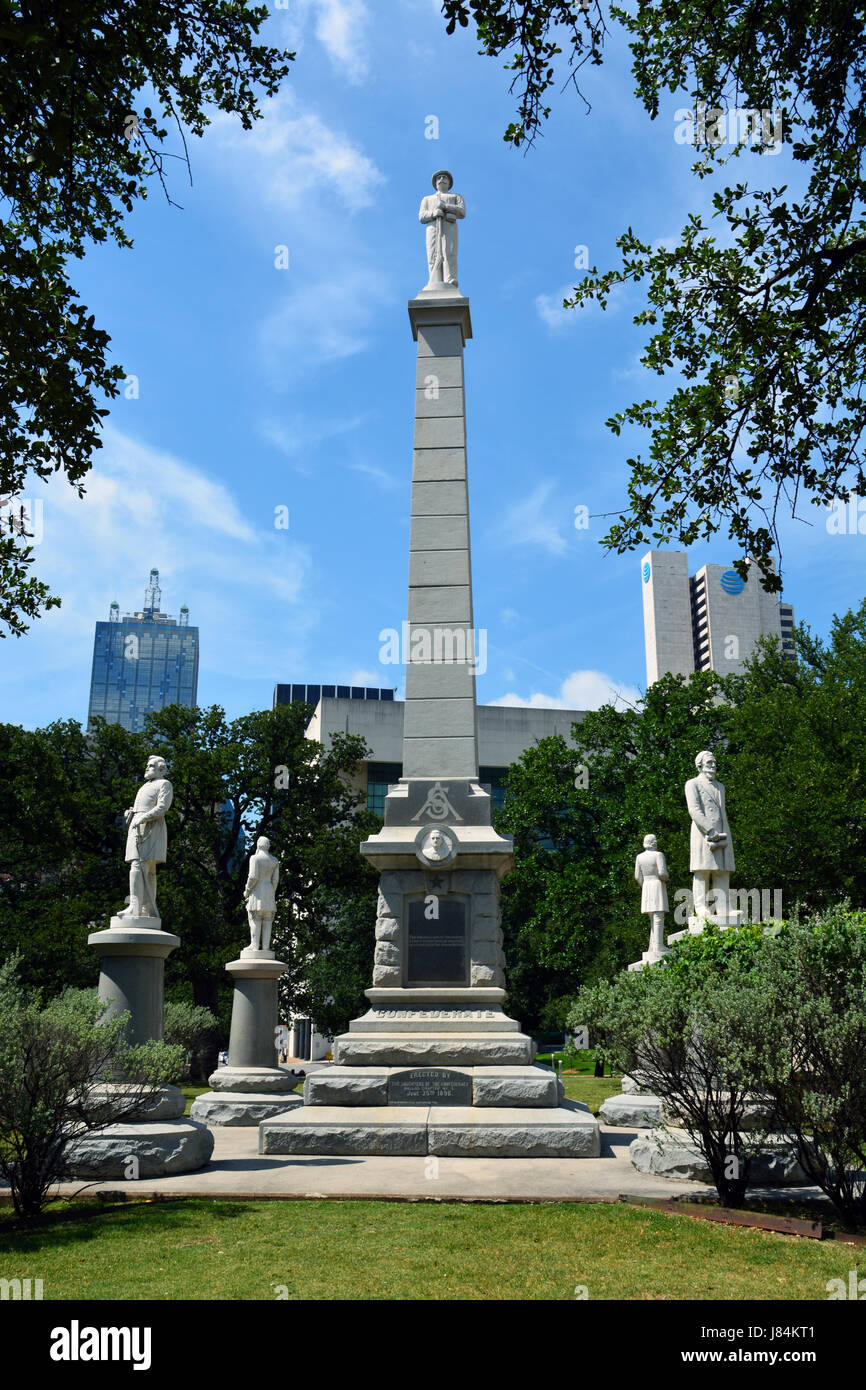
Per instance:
x=651, y=872
x=440, y=211
x=712, y=853
x=260, y=894
x=146, y=839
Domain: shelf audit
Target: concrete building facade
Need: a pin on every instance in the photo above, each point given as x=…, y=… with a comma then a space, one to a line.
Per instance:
x=710, y=621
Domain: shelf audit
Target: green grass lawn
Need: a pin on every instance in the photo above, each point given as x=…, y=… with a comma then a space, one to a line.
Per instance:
x=389, y=1250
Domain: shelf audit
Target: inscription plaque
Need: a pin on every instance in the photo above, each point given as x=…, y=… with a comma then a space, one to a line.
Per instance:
x=429, y=1086
x=437, y=953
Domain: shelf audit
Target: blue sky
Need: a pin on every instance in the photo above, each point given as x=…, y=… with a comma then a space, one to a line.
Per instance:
x=261, y=387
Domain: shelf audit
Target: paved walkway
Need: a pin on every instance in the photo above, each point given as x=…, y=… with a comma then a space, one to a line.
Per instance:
x=237, y=1170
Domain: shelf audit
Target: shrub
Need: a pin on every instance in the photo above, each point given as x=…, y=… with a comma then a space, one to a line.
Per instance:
x=195, y=1029
x=54, y=1061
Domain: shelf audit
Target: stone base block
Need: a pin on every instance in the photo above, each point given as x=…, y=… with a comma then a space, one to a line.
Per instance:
x=649, y=958
x=634, y=1085
x=631, y=1111
x=240, y=1107
x=347, y=1129
x=434, y=1050
x=347, y=1086
x=522, y=1087
x=159, y=1150
x=567, y=1131
x=259, y=1080
x=169, y=1104
x=534, y=1086
x=671, y=1154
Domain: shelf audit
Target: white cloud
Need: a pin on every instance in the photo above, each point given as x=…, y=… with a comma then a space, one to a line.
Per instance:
x=248, y=586
x=550, y=311
x=322, y=322
x=509, y=617
x=290, y=154
x=303, y=434
x=365, y=677
x=341, y=28
x=525, y=523
x=580, y=690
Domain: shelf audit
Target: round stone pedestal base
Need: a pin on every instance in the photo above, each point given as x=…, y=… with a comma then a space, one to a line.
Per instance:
x=154, y=1150
x=240, y=1107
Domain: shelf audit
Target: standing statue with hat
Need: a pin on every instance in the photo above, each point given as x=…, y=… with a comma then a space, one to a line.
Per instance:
x=439, y=212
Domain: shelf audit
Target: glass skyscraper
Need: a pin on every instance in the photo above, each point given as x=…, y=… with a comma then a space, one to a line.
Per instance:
x=142, y=662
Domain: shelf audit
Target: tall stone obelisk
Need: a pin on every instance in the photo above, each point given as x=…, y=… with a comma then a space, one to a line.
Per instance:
x=435, y=1065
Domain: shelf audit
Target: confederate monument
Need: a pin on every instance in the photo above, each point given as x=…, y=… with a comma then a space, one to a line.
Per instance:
x=651, y=872
x=146, y=840
x=435, y=1065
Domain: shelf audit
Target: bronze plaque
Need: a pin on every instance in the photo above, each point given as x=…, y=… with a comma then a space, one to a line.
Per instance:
x=429, y=1086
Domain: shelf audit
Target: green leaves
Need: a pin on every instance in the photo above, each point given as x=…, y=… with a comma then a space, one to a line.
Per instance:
x=760, y=324
x=72, y=163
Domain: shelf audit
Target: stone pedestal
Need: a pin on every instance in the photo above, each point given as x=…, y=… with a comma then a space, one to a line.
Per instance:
x=649, y=958
x=157, y=1141
x=697, y=924
x=252, y=1087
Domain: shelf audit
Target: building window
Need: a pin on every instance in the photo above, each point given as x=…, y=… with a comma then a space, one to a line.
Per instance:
x=492, y=780
x=380, y=776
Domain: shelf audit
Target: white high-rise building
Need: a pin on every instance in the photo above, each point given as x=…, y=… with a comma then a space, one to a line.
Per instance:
x=710, y=621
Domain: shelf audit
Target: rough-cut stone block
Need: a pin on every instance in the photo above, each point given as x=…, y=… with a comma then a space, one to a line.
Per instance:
x=438, y=567
x=671, y=1154
x=631, y=1111
x=635, y=1085
x=515, y=1087
x=439, y=499
x=485, y=952
x=160, y=1149
x=347, y=1086
x=387, y=953
x=440, y=432
x=446, y=371
x=387, y=975
x=433, y=1049
x=569, y=1131
x=169, y=1103
x=350, y=1129
x=758, y=1114
x=260, y=1080
x=448, y=400
x=486, y=929
x=439, y=465
x=484, y=975
x=239, y=1108
x=388, y=929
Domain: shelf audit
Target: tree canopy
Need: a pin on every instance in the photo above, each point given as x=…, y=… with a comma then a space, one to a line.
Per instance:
x=78, y=148
x=787, y=737
x=62, y=839
x=758, y=311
